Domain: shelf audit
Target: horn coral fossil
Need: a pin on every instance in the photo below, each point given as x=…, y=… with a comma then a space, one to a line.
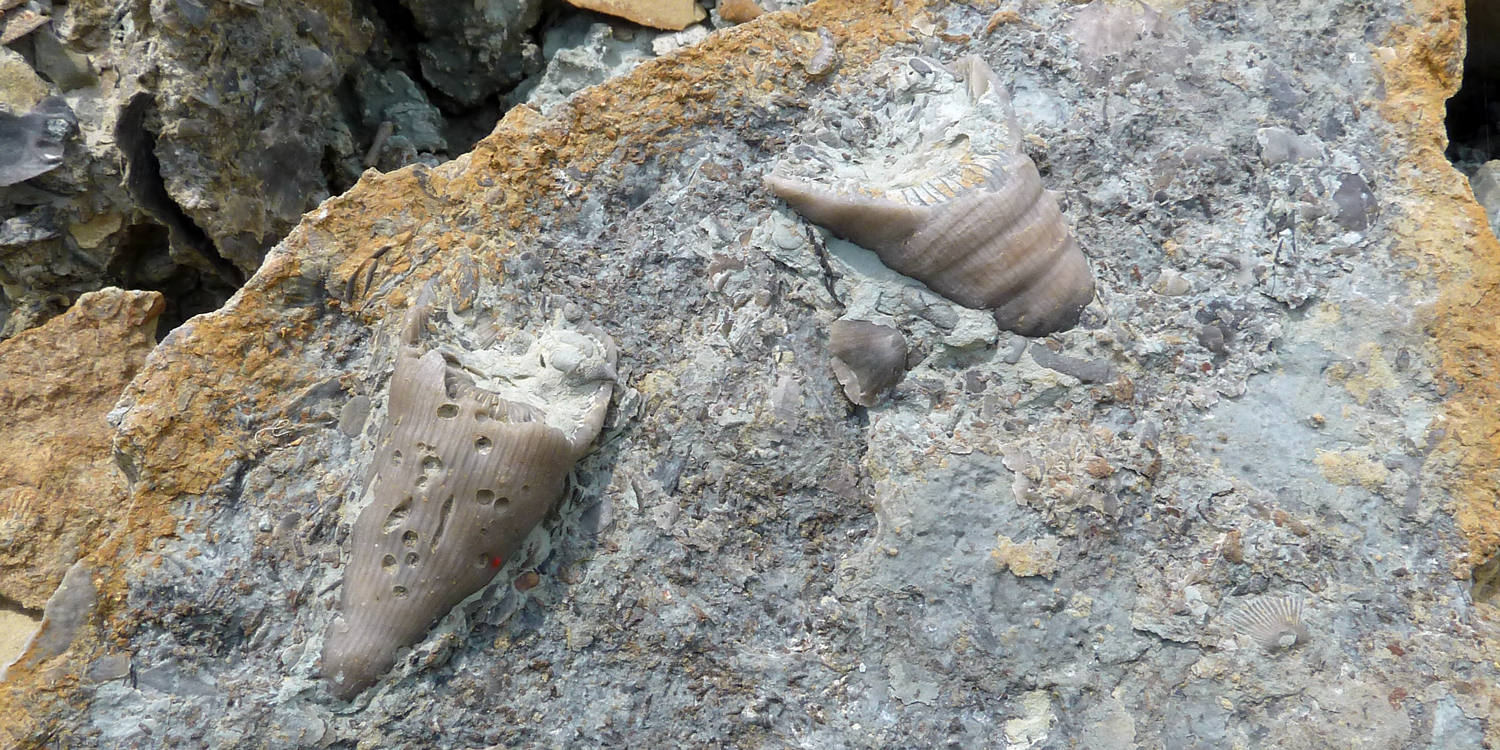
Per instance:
x=945, y=195
x=471, y=456
x=868, y=359
x=1274, y=623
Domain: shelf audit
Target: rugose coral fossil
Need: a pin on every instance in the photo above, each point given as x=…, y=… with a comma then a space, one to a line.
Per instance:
x=936, y=184
x=474, y=451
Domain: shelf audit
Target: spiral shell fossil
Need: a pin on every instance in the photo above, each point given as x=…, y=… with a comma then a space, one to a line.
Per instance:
x=943, y=193
x=471, y=456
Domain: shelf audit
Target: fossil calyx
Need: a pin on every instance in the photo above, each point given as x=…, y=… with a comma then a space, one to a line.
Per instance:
x=944, y=194
x=470, y=457
x=868, y=359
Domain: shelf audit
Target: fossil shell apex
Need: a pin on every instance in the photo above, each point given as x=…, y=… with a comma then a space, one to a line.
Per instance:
x=868, y=359
x=461, y=475
x=943, y=194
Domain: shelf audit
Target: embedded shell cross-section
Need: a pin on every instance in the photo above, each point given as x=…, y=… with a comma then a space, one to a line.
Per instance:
x=465, y=468
x=944, y=194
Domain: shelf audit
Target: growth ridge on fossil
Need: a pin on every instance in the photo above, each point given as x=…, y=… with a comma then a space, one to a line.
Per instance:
x=937, y=185
x=474, y=451
x=1273, y=622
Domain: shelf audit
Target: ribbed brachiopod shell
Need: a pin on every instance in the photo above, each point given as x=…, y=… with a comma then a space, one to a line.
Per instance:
x=470, y=459
x=943, y=193
x=1272, y=622
x=868, y=358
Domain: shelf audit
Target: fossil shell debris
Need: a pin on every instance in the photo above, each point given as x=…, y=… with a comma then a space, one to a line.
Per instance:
x=943, y=193
x=1273, y=622
x=868, y=359
x=474, y=451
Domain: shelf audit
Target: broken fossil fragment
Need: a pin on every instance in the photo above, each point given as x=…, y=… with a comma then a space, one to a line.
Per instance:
x=944, y=194
x=474, y=451
x=868, y=359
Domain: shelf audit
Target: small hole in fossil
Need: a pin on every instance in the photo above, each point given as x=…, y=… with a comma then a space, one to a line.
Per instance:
x=447, y=411
x=481, y=417
x=485, y=497
x=388, y=564
x=399, y=591
x=396, y=458
x=525, y=488
x=502, y=501
x=432, y=465
x=409, y=538
x=397, y=516
x=421, y=481
x=483, y=445
x=482, y=561
x=447, y=510
x=412, y=558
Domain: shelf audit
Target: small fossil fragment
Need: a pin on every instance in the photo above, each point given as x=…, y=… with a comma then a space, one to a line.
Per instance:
x=946, y=195
x=472, y=455
x=826, y=57
x=868, y=359
x=1272, y=622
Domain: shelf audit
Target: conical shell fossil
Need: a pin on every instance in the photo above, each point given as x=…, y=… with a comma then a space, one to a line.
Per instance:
x=945, y=195
x=868, y=359
x=1274, y=622
x=471, y=456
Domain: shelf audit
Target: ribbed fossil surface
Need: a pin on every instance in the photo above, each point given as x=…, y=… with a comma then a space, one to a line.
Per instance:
x=936, y=184
x=461, y=476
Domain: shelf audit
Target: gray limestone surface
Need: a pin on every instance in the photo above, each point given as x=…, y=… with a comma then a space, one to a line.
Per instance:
x=1032, y=544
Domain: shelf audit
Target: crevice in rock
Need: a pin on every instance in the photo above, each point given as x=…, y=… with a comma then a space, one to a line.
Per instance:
x=1474, y=112
x=144, y=181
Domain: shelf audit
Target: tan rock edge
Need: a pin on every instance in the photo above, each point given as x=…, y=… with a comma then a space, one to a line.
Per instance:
x=672, y=15
x=60, y=491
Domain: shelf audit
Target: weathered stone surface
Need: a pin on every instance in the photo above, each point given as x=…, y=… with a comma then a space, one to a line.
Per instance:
x=476, y=48
x=749, y=560
x=60, y=491
x=672, y=15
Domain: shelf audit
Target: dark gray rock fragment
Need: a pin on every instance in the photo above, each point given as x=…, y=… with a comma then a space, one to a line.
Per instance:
x=33, y=144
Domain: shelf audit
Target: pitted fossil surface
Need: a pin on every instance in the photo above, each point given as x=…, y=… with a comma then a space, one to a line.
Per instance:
x=474, y=451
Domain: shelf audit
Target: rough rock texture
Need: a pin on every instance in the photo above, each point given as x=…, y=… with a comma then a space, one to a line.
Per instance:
x=60, y=491
x=476, y=48
x=1285, y=388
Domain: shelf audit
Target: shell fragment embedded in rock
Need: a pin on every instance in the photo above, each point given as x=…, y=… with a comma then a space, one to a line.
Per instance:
x=944, y=194
x=470, y=457
x=868, y=359
x=1273, y=622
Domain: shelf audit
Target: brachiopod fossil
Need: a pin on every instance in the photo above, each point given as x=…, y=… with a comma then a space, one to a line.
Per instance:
x=944, y=194
x=474, y=451
x=1272, y=622
x=868, y=359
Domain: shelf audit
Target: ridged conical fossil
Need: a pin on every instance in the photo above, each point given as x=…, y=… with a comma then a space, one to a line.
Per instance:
x=948, y=197
x=461, y=476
